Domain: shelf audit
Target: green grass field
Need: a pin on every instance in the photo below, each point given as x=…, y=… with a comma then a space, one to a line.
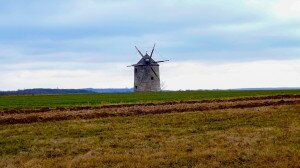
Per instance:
x=256, y=137
x=34, y=101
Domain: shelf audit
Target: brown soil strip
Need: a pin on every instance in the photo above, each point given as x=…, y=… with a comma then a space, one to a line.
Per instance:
x=77, y=108
x=144, y=109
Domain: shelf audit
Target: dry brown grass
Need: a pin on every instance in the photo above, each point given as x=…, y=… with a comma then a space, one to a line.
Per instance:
x=120, y=105
x=251, y=137
x=47, y=114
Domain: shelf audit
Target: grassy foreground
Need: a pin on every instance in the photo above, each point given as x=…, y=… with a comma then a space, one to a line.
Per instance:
x=257, y=137
x=34, y=101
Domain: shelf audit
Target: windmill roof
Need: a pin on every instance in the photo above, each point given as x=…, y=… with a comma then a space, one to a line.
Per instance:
x=144, y=61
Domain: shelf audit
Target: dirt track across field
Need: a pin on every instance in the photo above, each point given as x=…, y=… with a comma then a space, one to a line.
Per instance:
x=16, y=116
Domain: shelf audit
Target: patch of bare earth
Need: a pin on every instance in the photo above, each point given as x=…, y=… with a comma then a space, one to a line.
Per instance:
x=15, y=116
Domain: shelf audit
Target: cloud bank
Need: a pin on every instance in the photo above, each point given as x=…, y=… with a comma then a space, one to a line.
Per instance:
x=175, y=76
x=45, y=39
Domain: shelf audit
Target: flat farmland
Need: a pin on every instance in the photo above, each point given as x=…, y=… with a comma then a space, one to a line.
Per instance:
x=33, y=101
x=168, y=129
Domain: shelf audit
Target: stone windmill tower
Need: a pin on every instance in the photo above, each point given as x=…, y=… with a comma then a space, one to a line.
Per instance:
x=146, y=73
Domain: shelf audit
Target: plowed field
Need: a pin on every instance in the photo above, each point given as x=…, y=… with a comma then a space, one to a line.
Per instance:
x=15, y=116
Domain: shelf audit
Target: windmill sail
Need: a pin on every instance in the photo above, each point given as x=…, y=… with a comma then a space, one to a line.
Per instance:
x=152, y=51
x=154, y=72
x=139, y=52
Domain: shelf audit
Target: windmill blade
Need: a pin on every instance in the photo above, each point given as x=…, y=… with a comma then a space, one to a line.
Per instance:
x=154, y=72
x=131, y=65
x=152, y=51
x=139, y=51
x=139, y=65
x=161, y=61
x=135, y=65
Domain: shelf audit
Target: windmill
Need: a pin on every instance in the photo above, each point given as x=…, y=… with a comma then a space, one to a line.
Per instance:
x=146, y=73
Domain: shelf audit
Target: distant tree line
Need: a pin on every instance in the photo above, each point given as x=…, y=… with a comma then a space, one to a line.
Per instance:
x=38, y=91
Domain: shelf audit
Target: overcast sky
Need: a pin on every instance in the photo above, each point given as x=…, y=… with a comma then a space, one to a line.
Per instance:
x=213, y=44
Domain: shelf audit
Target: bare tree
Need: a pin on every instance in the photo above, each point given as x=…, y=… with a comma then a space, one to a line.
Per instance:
x=162, y=85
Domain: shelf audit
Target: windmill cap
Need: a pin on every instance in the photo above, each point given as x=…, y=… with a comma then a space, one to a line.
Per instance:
x=146, y=60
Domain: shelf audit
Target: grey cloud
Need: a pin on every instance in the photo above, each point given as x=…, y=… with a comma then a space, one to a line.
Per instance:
x=87, y=31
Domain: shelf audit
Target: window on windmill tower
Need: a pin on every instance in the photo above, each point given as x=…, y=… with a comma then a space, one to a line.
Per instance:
x=136, y=87
x=152, y=78
x=135, y=70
